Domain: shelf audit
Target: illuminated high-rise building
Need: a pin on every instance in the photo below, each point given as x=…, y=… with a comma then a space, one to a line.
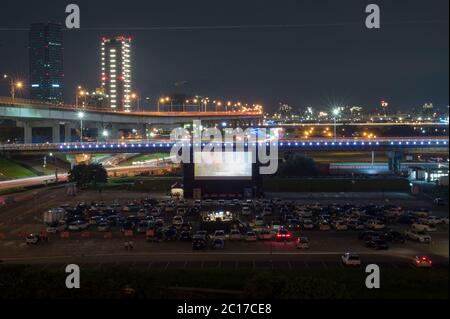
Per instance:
x=46, y=62
x=116, y=72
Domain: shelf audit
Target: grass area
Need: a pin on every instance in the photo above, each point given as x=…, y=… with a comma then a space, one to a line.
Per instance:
x=143, y=184
x=8, y=191
x=144, y=157
x=334, y=283
x=12, y=170
x=276, y=184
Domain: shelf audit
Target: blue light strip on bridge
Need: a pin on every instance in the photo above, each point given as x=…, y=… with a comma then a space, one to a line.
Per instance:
x=279, y=144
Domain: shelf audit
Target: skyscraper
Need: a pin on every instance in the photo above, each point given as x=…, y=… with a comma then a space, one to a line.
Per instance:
x=46, y=62
x=116, y=72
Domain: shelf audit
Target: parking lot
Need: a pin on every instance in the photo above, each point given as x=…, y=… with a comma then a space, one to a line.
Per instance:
x=92, y=246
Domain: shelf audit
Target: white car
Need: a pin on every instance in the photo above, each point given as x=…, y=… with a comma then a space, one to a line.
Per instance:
x=423, y=227
x=219, y=234
x=417, y=235
x=235, y=235
x=351, y=259
x=251, y=236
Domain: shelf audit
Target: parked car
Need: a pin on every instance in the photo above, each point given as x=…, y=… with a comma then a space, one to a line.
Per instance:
x=177, y=221
x=419, y=236
x=351, y=259
x=265, y=234
x=308, y=224
x=251, y=236
x=375, y=225
x=393, y=237
x=32, y=239
x=103, y=226
x=185, y=235
x=57, y=227
x=198, y=242
x=219, y=234
x=323, y=225
x=283, y=235
x=423, y=227
x=218, y=243
x=78, y=225
x=235, y=235
x=302, y=243
x=378, y=244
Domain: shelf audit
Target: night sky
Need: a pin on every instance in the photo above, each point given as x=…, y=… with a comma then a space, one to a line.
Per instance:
x=326, y=56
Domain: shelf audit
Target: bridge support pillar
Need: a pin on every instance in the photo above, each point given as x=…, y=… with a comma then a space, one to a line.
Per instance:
x=27, y=133
x=56, y=136
x=395, y=158
x=67, y=133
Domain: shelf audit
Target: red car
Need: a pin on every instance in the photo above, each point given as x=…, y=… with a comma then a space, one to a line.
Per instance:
x=422, y=262
x=283, y=235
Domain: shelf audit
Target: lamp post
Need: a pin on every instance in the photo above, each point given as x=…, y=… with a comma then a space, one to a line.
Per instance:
x=336, y=112
x=80, y=93
x=14, y=84
x=81, y=116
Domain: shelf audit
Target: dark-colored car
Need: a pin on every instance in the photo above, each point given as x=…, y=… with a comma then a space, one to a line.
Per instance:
x=198, y=243
x=377, y=244
x=170, y=234
x=185, y=235
x=369, y=235
x=394, y=237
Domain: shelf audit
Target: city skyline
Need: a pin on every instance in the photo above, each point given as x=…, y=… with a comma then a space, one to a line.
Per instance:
x=304, y=66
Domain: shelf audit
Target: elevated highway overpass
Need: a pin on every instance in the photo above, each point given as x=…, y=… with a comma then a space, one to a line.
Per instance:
x=63, y=119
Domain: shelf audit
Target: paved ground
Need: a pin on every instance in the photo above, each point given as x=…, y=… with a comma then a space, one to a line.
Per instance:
x=325, y=246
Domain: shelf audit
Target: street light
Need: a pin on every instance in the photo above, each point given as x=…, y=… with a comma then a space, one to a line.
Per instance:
x=336, y=112
x=14, y=84
x=81, y=116
x=80, y=92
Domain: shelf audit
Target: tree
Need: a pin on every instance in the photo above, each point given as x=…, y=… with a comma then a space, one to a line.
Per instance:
x=88, y=174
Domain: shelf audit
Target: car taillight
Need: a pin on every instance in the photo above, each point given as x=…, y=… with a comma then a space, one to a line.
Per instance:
x=430, y=262
x=288, y=235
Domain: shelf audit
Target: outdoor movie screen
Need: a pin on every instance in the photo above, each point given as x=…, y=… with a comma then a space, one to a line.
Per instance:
x=223, y=166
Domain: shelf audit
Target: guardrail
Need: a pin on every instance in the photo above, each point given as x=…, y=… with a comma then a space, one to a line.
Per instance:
x=17, y=102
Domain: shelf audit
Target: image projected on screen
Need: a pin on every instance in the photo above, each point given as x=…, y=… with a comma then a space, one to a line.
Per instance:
x=227, y=165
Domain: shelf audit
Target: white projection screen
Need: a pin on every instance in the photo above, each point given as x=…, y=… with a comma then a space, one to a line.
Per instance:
x=223, y=166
